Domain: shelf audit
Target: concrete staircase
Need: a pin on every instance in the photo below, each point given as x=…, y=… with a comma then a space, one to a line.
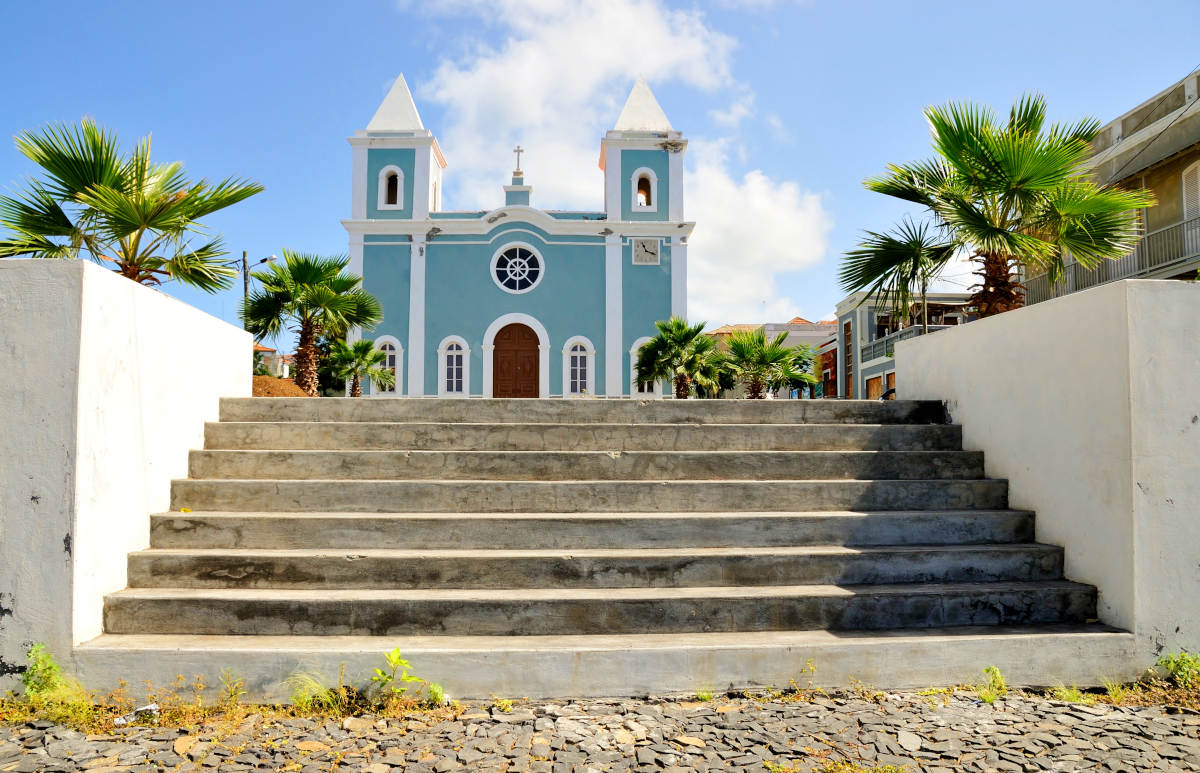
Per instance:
x=600, y=547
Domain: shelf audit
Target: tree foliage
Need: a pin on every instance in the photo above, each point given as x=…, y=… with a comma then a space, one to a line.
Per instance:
x=894, y=266
x=312, y=296
x=125, y=211
x=358, y=361
x=682, y=354
x=1016, y=193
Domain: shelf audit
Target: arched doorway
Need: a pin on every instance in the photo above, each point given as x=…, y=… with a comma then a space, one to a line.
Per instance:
x=515, y=362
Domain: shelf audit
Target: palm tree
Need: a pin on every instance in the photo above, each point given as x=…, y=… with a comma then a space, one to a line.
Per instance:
x=680, y=353
x=761, y=364
x=890, y=266
x=126, y=211
x=360, y=360
x=1017, y=195
x=310, y=295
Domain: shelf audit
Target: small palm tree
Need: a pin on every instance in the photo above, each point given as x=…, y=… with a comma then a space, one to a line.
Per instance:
x=1017, y=194
x=125, y=211
x=761, y=364
x=892, y=266
x=679, y=353
x=360, y=360
x=310, y=295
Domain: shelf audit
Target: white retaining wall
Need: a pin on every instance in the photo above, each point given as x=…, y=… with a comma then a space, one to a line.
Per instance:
x=105, y=385
x=1090, y=405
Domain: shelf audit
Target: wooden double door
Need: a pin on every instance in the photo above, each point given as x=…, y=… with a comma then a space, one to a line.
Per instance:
x=515, y=362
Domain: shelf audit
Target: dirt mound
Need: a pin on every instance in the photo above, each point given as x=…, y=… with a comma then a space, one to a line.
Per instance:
x=269, y=386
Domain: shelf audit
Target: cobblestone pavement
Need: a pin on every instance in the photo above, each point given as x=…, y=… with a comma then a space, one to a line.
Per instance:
x=933, y=733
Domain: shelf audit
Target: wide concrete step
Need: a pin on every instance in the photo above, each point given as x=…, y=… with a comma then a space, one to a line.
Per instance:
x=574, y=531
x=586, y=465
x=584, y=411
x=622, y=665
x=594, y=568
x=568, y=611
x=381, y=496
x=498, y=436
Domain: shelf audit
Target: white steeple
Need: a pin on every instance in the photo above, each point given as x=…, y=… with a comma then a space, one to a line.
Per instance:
x=642, y=112
x=398, y=112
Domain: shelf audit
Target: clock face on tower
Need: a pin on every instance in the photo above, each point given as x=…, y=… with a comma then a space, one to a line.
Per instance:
x=645, y=252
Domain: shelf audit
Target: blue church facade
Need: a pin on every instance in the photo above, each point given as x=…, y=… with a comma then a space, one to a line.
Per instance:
x=518, y=301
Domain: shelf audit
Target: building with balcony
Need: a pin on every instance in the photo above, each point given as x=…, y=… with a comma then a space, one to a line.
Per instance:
x=1156, y=146
x=862, y=352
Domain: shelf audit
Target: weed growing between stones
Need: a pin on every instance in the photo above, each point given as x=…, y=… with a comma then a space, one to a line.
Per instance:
x=1071, y=694
x=704, y=696
x=993, y=688
x=48, y=695
x=1182, y=668
x=831, y=766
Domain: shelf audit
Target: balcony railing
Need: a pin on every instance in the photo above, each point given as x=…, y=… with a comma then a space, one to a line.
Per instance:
x=883, y=347
x=1158, y=250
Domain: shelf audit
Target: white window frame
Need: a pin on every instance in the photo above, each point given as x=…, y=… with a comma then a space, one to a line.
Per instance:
x=590, y=352
x=1191, y=197
x=633, y=182
x=398, y=390
x=523, y=245
x=443, y=354
x=655, y=386
x=381, y=198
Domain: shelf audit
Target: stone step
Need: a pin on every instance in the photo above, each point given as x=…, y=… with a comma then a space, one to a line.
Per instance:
x=640, y=664
x=596, y=568
x=381, y=496
x=586, y=410
x=586, y=465
x=568, y=611
x=573, y=531
x=497, y=436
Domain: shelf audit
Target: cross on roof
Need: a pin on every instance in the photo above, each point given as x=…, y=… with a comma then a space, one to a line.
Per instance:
x=518, y=150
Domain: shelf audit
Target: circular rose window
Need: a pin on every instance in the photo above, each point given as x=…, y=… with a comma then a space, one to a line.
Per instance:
x=517, y=269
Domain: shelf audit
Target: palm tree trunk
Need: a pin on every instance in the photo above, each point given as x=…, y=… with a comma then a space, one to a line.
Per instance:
x=1000, y=291
x=306, y=359
x=755, y=389
x=683, y=387
x=355, y=386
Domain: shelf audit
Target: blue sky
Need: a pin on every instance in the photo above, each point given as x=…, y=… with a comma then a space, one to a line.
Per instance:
x=788, y=105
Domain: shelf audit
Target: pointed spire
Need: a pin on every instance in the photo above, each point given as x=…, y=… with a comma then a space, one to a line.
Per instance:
x=398, y=112
x=642, y=112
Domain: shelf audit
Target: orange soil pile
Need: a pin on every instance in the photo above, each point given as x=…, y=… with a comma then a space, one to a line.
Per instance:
x=269, y=386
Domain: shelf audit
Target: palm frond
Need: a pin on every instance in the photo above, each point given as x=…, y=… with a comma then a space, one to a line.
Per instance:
x=201, y=267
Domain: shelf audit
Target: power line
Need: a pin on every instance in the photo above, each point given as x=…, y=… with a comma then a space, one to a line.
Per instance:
x=1117, y=175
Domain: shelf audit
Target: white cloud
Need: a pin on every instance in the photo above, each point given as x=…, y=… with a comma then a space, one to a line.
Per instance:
x=557, y=82
x=748, y=231
x=739, y=110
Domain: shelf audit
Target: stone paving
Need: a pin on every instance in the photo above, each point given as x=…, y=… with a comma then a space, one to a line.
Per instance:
x=931, y=733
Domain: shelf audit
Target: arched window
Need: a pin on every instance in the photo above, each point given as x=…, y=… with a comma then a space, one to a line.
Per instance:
x=640, y=388
x=391, y=188
x=454, y=361
x=454, y=369
x=645, y=190
x=389, y=363
x=579, y=370
x=578, y=367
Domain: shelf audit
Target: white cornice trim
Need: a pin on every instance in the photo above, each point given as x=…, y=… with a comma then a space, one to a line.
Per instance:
x=476, y=226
